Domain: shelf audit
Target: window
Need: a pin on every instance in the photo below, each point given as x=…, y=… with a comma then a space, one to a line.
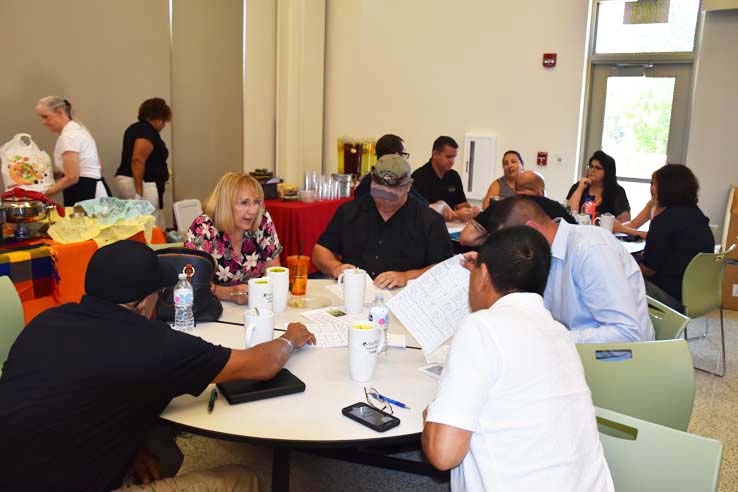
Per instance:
x=641, y=61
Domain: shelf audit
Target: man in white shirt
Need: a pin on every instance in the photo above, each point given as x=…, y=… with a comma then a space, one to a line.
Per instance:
x=513, y=410
x=595, y=287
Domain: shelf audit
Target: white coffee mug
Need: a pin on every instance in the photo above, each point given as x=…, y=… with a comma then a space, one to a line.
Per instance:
x=259, y=326
x=583, y=219
x=363, y=344
x=353, y=282
x=260, y=293
x=606, y=221
x=279, y=277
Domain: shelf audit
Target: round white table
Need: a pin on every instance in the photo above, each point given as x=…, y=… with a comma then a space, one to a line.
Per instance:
x=312, y=419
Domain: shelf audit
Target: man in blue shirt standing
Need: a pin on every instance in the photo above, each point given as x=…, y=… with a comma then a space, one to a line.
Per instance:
x=595, y=288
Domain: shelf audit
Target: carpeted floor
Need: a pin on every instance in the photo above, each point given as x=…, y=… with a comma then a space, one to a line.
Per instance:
x=715, y=408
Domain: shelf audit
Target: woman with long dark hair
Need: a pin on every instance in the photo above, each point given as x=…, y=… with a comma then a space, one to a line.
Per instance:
x=676, y=235
x=600, y=185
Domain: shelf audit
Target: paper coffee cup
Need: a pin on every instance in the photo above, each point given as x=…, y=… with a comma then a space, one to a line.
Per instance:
x=280, y=279
x=363, y=345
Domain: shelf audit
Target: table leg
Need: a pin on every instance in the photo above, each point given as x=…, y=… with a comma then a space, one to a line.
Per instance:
x=281, y=469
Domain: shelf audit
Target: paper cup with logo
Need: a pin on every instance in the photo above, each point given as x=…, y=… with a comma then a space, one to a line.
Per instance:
x=353, y=282
x=259, y=326
x=260, y=293
x=363, y=345
x=280, y=279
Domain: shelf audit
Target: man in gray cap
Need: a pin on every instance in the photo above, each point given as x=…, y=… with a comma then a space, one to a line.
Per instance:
x=392, y=236
x=85, y=382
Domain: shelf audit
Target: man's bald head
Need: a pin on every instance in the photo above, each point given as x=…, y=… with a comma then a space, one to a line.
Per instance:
x=517, y=211
x=530, y=183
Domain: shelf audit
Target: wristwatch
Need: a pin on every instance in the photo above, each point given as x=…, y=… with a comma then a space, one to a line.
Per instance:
x=288, y=342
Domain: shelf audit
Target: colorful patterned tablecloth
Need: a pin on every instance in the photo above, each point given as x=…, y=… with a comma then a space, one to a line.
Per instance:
x=31, y=268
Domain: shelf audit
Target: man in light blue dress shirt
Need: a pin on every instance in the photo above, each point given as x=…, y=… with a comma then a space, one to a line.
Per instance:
x=594, y=287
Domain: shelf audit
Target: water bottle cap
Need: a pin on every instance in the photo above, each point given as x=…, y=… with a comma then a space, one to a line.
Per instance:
x=182, y=276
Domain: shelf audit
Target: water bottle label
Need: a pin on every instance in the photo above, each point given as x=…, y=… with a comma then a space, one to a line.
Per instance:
x=184, y=296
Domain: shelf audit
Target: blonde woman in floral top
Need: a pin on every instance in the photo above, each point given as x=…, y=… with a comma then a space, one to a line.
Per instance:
x=238, y=232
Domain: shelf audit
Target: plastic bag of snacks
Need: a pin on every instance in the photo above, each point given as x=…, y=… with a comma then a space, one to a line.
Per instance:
x=24, y=165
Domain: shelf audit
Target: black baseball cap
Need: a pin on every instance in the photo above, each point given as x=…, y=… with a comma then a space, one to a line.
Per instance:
x=127, y=271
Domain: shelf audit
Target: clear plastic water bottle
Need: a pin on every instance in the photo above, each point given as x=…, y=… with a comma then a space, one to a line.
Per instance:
x=184, y=296
x=379, y=315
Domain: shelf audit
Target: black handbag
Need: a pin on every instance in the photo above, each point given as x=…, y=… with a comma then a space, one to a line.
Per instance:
x=200, y=268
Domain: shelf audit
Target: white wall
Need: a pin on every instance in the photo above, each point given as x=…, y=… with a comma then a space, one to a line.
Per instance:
x=714, y=125
x=424, y=68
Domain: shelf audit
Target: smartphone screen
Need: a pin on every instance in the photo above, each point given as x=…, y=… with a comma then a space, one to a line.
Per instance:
x=370, y=415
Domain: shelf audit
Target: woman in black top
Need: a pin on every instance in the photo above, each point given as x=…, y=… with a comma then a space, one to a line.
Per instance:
x=143, y=170
x=676, y=235
x=602, y=186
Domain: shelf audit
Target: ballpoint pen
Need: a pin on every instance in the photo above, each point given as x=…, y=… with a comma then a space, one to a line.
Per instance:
x=393, y=402
x=213, y=397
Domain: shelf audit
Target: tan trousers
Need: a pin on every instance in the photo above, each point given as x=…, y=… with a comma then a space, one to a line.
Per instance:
x=229, y=478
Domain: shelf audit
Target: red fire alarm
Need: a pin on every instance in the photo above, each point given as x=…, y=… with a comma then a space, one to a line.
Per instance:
x=542, y=158
x=549, y=60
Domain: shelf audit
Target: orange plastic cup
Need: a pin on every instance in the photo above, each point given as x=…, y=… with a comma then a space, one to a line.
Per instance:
x=298, y=266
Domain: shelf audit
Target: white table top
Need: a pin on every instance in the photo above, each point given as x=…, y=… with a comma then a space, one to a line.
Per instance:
x=633, y=246
x=314, y=417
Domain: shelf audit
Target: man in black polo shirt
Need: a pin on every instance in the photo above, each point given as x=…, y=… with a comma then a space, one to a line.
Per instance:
x=395, y=238
x=441, y=185
x=84, y=383
x=529, y=184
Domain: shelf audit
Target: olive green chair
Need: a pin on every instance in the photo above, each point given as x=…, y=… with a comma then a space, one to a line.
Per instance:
x=667, y=323
x=643, y=456
x=157, y=247
x=655, y=384
x=11, y=321
x=702, y=293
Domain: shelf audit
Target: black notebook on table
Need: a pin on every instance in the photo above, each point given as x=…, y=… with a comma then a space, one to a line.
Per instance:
x=284, y=383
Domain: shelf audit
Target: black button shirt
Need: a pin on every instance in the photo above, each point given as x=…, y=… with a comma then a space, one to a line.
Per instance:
x=155, y=168
x=414, y=237
x=82, y=387
x=448, y=188
x=675, y=236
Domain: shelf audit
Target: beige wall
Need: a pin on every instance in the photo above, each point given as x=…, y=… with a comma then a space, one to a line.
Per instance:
x=712, y=152
x=260, y=83
x=207, y=90
x=423, y=68
x=105, y=57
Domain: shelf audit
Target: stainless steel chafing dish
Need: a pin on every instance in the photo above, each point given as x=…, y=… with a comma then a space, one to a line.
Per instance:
x=23, y=210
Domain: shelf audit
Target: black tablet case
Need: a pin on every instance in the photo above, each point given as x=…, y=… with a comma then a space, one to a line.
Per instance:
x=284, y=383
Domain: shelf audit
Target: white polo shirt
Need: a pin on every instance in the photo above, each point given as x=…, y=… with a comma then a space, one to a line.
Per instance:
x=76, y=138
x=514, y=379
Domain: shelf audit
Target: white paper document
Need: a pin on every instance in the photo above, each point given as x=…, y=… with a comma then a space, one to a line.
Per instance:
x=369, y=291
x=329, y=336
x=432, y=307
x=335, y=314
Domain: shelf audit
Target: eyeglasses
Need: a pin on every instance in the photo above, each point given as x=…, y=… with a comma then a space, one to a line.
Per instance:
x=592, y=166
x=405, y=155
x=248, y=203
x=374, y=399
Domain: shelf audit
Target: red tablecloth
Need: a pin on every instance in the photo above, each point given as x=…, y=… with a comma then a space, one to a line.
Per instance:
x=301, y=222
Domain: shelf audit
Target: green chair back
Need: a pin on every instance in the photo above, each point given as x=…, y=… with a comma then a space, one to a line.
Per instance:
x=157, y=247
x=11, y=321
x=702, y=283
x=644, y=456
x=668, y=323
x=656, y=384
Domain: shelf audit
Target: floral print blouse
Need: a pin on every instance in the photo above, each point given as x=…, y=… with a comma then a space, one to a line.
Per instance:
x=258, y=248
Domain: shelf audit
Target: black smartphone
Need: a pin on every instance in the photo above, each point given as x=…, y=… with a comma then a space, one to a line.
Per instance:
x=371, y=417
